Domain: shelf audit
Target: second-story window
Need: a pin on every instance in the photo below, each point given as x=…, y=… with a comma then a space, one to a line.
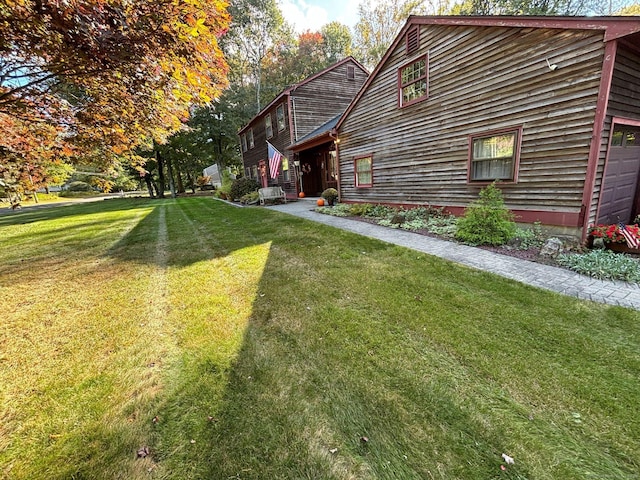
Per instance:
x=412, y=82
x=268, y=128
x=243, y=139
x=251, y=142
x=280, y=117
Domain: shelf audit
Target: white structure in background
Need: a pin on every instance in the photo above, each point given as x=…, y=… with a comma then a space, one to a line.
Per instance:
x=214, y=172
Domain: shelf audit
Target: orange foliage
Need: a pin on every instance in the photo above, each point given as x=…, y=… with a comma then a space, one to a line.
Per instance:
x=97, y=75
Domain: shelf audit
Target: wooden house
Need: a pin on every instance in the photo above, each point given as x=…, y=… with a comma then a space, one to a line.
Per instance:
x=301, y=112
x=548, y=106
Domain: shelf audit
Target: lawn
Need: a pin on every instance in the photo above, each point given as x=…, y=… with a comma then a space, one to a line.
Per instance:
x=189, y=339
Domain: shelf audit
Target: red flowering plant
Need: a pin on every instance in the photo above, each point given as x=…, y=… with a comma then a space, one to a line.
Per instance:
x=611, y=233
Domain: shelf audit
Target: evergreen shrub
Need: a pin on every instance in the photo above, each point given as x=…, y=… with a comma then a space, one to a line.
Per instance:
x=486, y=221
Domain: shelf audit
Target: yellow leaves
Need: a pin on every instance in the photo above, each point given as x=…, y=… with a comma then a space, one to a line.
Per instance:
x=199, y=28
x=181, y=95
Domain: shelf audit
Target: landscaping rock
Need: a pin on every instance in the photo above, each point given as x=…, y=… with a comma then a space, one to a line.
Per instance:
x=551, y=248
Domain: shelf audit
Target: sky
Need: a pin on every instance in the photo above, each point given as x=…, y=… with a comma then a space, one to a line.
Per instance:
x=313, y=14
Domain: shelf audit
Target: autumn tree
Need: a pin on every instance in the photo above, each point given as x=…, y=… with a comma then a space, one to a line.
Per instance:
x=337, y=41
x=378, y=26
x=525, y=7
x=100, y=76
x=256, y=27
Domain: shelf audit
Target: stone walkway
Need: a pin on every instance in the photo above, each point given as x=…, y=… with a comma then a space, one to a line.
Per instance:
x=531, y=273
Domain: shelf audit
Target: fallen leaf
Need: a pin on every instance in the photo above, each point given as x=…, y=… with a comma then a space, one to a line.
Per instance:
x=364, y=439
x=143, y=452
x=333, y=450
x=155, y=419
x=508, y=460
x=192, y=441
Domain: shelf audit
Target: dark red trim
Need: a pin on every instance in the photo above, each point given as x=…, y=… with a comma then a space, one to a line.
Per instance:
x=516, y=159
x=313, y=142
x=608, y=65
x=426, y=77
x=558, y=219
x=631, y=122
x=613, y=27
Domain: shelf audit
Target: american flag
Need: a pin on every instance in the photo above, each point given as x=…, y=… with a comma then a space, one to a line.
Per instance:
x=274, y=160
x=631, y=239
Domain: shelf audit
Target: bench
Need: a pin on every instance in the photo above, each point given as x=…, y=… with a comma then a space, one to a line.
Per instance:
x=271, y=193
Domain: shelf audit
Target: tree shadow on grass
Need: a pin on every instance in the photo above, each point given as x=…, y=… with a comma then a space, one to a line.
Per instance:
x=279, y=360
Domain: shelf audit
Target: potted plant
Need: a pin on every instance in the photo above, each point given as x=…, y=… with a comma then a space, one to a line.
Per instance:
x=330, y=195
x=612, y=237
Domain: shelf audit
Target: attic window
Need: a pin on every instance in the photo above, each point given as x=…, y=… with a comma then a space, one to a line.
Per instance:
x=413, y=81
x=413, y=40
x=351, y=72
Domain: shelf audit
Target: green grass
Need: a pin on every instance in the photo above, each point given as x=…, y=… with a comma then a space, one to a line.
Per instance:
x=248, y=344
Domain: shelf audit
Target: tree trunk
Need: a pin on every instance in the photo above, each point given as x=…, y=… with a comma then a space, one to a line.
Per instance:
x=179, y=178
x=192, y=184
x=147, y=179
x=161, y=180
x=172, y=186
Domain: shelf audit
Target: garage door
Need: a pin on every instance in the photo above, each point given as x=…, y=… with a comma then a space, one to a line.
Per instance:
x=620, y=182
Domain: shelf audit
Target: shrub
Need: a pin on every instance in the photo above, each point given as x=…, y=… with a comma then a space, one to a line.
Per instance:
x=330, y=195
x=340, y=210
x=381, y=211
x=360, y=209
x=78, y=186
x=602, y=264
x=242, y=186
x=249, y=198
x=224, y=190
x=486, y=221
x=526, y=238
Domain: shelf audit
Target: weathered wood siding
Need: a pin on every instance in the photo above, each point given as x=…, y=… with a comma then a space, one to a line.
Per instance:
x=280, y=140
x=480, y=79
x=624, y=101
x=318, y=101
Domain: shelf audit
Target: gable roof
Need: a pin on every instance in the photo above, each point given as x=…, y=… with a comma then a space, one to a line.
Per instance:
x=292, y=88
x=613, y=28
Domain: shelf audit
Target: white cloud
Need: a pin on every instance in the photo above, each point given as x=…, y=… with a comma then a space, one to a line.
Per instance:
x=303, y=16
x=314, y=14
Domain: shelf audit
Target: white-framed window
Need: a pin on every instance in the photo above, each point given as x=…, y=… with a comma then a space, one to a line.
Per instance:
x=251, y=142
x=363, y=168
x=494, y=155
x=243, y=139
x=254, y=172
x=268, y=128
x=280, y=117
x=413, y=81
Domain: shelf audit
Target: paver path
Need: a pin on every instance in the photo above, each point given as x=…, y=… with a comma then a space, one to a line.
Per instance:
x=536, y=274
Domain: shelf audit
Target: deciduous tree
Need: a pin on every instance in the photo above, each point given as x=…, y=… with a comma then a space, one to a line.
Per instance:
x=378, y=26
x=104, y=75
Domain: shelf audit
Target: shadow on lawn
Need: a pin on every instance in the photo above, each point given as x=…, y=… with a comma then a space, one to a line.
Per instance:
x=295, y=390
x=313, y=371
